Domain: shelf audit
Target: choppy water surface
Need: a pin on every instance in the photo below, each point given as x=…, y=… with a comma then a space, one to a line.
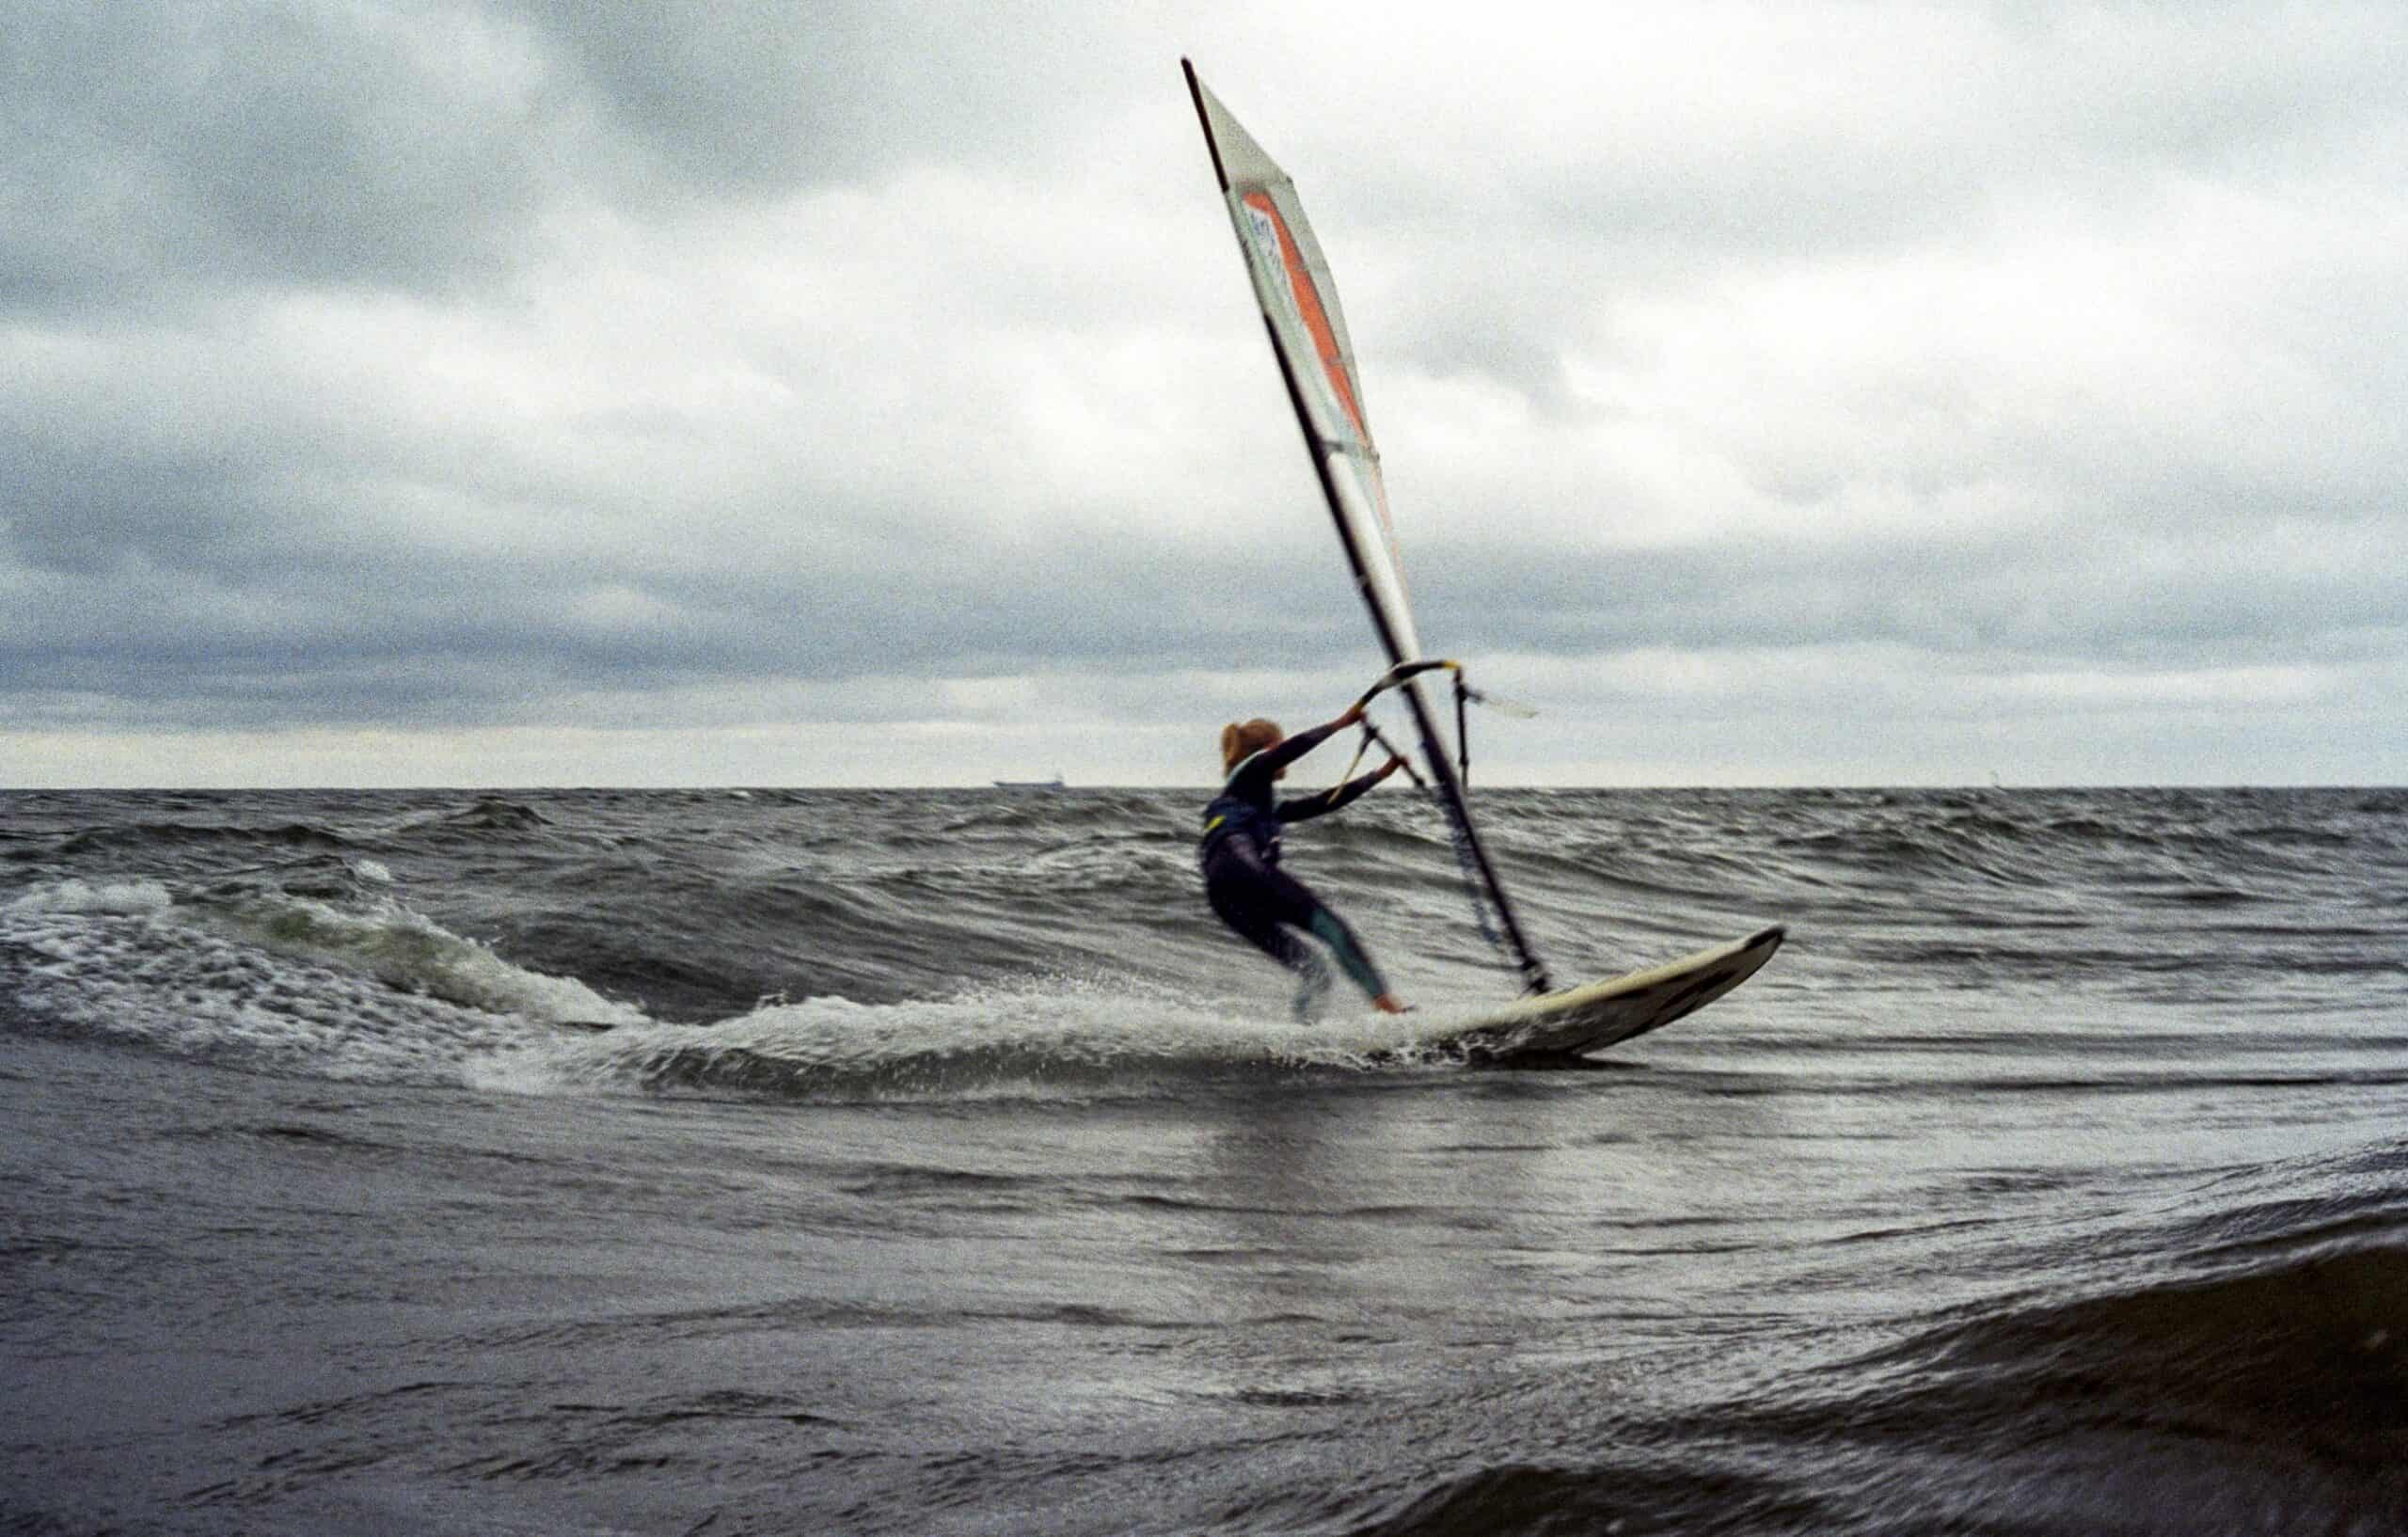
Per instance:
x=945, y=1169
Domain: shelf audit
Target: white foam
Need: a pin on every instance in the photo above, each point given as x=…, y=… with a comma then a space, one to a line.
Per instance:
x=1039, y=1036
x=126, y=896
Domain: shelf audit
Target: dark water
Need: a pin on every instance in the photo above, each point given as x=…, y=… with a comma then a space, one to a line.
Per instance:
x=947, y=1171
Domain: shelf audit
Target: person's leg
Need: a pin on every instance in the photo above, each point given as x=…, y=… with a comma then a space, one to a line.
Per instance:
x=1265, y=905
x=1312, y=982
x=1290, y=901
x=1331, y=929
x=1254, y=909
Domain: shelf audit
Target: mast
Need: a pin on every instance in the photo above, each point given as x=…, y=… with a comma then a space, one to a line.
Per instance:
x=1308, y=338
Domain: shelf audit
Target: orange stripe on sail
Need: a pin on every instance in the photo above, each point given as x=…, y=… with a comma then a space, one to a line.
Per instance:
x=1300, y=283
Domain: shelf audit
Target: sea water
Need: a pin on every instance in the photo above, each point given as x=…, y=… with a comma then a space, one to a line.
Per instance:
x=932, y=1161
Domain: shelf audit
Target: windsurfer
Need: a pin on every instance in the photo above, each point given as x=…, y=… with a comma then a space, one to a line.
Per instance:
x=1240, y=854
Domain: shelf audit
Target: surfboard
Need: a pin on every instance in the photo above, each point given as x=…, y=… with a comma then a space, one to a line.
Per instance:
x=1601, y=1014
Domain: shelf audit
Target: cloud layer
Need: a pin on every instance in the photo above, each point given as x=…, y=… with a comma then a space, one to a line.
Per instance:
x=863, y=394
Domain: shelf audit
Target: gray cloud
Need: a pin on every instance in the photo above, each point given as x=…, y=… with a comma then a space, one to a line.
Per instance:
x=174, y=153
x=451, y=368
x=165, y=155
x=765, y=99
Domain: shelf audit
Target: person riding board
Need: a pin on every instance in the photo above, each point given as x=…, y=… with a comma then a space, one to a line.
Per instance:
x=1239, y=855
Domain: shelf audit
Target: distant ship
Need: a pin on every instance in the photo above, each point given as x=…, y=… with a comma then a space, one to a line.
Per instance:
x=1054, y=784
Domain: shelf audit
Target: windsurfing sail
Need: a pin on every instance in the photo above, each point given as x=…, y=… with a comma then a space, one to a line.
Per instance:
x=1299, y=303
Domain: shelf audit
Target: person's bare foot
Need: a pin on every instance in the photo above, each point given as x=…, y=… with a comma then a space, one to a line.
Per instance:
x=1388, y=1003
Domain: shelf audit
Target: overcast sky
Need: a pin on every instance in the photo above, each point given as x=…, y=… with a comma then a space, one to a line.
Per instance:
x=561, y=392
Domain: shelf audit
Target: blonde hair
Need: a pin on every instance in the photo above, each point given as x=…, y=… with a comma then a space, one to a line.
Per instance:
x=1238, y=738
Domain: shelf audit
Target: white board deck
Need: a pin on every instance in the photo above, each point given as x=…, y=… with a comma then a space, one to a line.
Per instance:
x=1601, y=1014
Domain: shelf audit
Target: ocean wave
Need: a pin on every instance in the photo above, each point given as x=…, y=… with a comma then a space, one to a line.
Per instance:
x=247, y=973
x=407, y=952
x=134, y=839
x=1631, y=1495
x=2311, y=1351
x=2240, y=1357
x=274, y=982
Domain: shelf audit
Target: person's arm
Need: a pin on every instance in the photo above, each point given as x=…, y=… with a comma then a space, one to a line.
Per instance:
x=1295, y=747
x=1304, y=807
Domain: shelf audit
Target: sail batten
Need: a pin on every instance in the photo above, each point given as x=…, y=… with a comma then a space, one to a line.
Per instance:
x=1316, y=357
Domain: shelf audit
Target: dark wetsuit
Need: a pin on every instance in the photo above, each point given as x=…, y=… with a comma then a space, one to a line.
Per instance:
x=1262, y=902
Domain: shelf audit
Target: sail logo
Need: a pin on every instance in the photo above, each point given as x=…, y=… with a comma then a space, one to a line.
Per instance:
x=1264, y=227
x=1266, y=232
x=1279, y=251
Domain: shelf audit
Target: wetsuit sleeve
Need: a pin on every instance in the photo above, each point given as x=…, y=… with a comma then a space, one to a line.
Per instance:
x=1296, y=747
x=1304, y=807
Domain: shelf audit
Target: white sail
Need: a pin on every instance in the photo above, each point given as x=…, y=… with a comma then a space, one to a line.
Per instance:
x=1299, y=301
x=1307, y=329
